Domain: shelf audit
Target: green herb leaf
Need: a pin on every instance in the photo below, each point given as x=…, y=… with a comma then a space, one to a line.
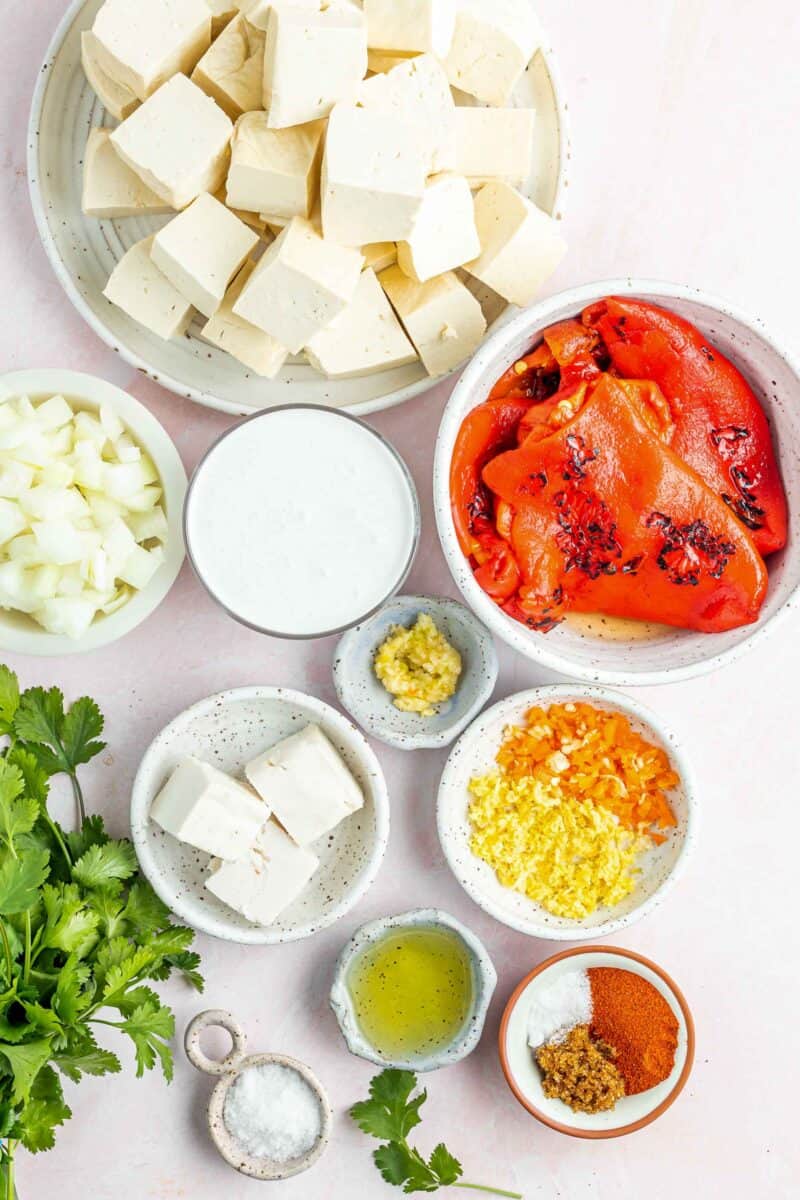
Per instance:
x=20, y=881
x=43, y=1113
x=72, y=996
x=145, y=912
x=18, y=814
x=9, y=698
x=26, y=1061
x=101, y=864
x=60, y=742
x=149, y=1026
x=393, y=1163
x=389, y=1115
x=446, y=1168
x=92, y=833
x=82, y=725
x=70, y=926
x=82, y=1056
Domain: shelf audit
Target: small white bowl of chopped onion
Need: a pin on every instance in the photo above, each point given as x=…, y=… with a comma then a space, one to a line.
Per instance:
x=91, y=499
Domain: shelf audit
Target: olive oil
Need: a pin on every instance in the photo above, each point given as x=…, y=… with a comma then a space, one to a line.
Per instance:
x=412, y=991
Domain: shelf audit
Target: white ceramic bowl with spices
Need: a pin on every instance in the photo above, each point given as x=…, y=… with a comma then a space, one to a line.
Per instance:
x=772, y=372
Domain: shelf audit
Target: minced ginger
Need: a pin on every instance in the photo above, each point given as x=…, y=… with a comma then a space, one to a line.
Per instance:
x=419, y=667
x=580, y=1071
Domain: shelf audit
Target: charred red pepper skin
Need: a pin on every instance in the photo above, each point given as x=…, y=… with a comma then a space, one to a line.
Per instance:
x=720, y=428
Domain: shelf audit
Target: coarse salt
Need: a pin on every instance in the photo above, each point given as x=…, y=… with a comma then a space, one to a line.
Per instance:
x=558, y=1007
x=272, y=1112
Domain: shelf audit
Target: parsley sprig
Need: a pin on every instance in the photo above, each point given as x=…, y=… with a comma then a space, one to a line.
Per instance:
x=389, y=1115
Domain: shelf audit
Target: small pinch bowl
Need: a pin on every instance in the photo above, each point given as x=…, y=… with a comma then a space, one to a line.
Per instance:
x=484, y=981
x=372, y=707
x=229, y=1069
x=774, y=375
x=522, y=1075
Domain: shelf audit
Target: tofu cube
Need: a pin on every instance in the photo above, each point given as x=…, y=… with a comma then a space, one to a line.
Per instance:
x=265, y=882
x=205, y=808
x=312, y=60
x=177, y=142
x=379, y=255
x=367, y=337
x=222, y=13
x=110, y=188
x=379, y=62
x=248, y=345
x=117, y=99
x=493, y=143
x=299, y=285
x=145, y=43
x=492, y=45
x=232, y=69
x=444, y=235
x=250, y=218
x=373, y=177
x=140, y=290
x=521, y=245
x=418, y=92
x=275, y=170
x=442, y=317
x=418, y=25
x=201, y=250
x=306, y=783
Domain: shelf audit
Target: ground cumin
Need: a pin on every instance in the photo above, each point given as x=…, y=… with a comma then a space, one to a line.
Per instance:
x=631, y=1015
x=581, y=1071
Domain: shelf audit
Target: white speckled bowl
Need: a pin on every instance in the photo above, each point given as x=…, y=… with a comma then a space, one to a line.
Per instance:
x=484, y=982
x=679, y=654
x=474, y=754
x=227, y=730
x=367, y=700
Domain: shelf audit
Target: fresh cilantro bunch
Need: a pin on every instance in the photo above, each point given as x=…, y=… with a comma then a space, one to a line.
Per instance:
x=389, y=1115
x=81, y=933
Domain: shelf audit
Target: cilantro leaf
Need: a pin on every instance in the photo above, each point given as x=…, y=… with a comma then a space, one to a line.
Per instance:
x=149, y=1026
x=18, y=813
x=38, y=722
x=101, y=864
x=70, y=926
x=26, y=1061
x=82, y=726
x=43, y=1113
x=389, y=1115
x=145, y=912
x=9, y=698
x=91, y=833
x=187, y=963
x=82, y=1056
x=72, y=997
x=446, y=1168
x=20, y=881
x=392, y=1162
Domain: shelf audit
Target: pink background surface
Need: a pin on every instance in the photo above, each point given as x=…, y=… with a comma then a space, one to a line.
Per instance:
x=684, y=167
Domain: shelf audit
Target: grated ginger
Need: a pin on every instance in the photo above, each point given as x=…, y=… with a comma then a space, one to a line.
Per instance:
x=419, y=667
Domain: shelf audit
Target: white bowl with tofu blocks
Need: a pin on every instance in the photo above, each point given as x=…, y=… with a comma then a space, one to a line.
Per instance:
x=182, y=308
x=277, y=811
x=47, y=595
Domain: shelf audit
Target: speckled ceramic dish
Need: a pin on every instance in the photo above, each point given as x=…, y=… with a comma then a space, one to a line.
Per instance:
x=229, y=1070
x=474, y=754
x=522, y=1074
x=367, y=700
x=228, y=730
x=484, y=978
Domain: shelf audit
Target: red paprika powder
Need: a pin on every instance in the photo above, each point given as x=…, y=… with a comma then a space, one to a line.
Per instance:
x=632, y=1016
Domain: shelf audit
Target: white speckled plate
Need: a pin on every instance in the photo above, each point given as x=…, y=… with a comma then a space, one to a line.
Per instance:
x=474, y=754
x=84, y=251
x=227, y=730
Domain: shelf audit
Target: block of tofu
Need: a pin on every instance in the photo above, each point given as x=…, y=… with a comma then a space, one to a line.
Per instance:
x=257, y=11
x=275, y=170
x=306, y=783
x=442, y=317
x=139, y=289
x=117, y=99
x=365, y=338
x=222, y=13
x=232, y=69
x=201, y=250
x=379, y=255
x=492, y=46
x=110, y=188
x=253, y=219
x=493, y=143
x=373, y=176
x=299, y=285
x=144, y=43
x=312, y=60
x=521, y=245
x=205, y=808
x=265, y=882
x=248, y=345
x=411, y=25
x=444, y=235
x=418, y=92
x=379, y=61
x=178, y=142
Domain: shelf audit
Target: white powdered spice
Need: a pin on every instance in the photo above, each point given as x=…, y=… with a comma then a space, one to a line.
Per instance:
x=273, y=1113
x=558, y=1007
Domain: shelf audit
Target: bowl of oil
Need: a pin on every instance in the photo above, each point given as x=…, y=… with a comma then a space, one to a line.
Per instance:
x=413, y=990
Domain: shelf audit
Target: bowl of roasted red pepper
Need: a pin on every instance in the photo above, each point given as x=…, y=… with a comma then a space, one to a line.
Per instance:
x=614, y=476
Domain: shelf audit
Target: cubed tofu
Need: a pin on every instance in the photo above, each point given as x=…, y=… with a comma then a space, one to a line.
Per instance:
x=379, y=62
x=366, y=338
x=253, y=219
x=248, y=345
x=110, y=188
x=207, y=809
x=144, y=43
x=299, y=285
x=373, y=177
x=442, y=317
x=493, y=143
x=417, y=91
x=232, y=69
x=201, y=250
x=306, y=783
x=222, y=13
x=140, y=290
x=178, y=142
x=379, y=255
x=521, y=245
x=418, y=25
x=492, y=46
x=312, y=60
x=265, y=882
x=275, y=170
x=117, y=99
x=444, y=235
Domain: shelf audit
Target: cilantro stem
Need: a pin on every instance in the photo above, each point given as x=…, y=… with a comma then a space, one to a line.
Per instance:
x=78, y=794
x=26, y=970
x=481, y=1187
x=7, y=949
x=8, y=1163
x=56, y=832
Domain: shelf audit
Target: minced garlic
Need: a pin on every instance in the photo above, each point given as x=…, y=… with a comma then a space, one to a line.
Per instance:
x=419, y=667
